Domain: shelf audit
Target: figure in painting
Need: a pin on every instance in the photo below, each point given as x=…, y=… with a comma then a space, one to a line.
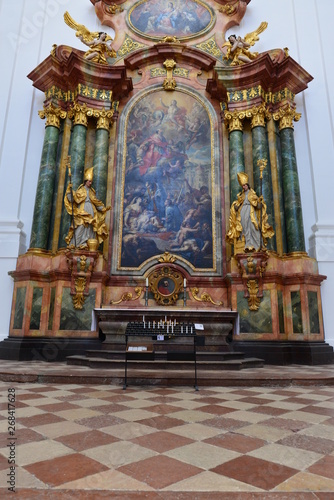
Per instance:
x=161, y=18
x=99, y=43
x=238, y=48
x=87, y=212
x=152, y=149
x=245, y=218
x=166, y=286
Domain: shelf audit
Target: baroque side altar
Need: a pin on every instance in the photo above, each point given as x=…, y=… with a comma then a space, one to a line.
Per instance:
x=166, y=126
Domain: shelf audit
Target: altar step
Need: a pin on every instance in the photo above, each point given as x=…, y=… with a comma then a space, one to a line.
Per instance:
x=170, y=363
x=158, y=354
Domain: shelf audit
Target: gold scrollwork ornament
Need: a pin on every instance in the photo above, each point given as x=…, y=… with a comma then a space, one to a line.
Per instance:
x=205, y=297
x=127, y=296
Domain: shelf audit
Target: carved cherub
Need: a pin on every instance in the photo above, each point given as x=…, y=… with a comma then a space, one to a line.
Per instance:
x=99, y=42
x=237, y=47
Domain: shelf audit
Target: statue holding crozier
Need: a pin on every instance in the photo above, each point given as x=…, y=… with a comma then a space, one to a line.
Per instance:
x=249, y=228
x=87, y=214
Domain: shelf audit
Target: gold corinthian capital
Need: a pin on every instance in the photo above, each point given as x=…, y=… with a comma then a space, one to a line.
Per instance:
x=258, y=115
x=103, y=118
x=80, y=114
x=286, y=116
x=233, y=120
x=52, y=115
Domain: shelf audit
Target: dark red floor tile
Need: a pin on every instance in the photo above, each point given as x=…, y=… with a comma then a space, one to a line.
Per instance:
x=23, y=397
x=159, y=472
x=256, y=400
x=64, y=469
x=299, y=401
x=16, y=405
x=61, y=406
x=329, y=421
x=325, y=467
x=254, y=471
x=236, y=442
x=162, y=409
x=244, y=392
x=162, y=441
x=3, y=460
x=216, y=409
x=85, y=440
x=43, y=388
x=319, y=410
x=164, y=391
x=212, y=400
x=162, y=422
x=269, y=410
x=28, y=436
x=41, y=419
x=111, y=408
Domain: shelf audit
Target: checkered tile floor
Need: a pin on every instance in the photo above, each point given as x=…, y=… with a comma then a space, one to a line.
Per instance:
x=99, y=441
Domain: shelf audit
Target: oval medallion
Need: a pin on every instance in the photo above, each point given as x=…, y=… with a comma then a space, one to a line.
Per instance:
x=156, y=19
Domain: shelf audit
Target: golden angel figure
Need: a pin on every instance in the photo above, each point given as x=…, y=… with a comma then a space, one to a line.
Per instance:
x=238, y=48
x=98, y=41
x=88, y=214
x=245, y=219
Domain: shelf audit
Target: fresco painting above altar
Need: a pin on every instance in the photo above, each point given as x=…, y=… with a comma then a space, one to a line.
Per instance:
x=157, y=18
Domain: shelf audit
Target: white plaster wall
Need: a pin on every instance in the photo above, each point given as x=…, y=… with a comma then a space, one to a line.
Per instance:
x=28, y=30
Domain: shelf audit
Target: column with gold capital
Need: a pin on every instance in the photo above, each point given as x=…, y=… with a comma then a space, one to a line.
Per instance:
x=291, y=192
x=260, y=152
x=233, y=120
x=46, y=178
x=100, y=161
x=79, y=113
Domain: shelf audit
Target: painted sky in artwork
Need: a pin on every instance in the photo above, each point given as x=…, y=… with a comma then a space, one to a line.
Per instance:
x=167, y=180
x=157, y=18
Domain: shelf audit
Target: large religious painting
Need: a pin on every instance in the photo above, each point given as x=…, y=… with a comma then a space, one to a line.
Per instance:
x=180, y=18
x=168, y=179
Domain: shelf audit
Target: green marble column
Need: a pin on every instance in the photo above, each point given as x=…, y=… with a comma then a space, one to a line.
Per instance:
x=292, y=201
x=261, y=152
x=100, y=163
x=56, y=183
x=237, y=161
x=45, y=187
x=77, y=153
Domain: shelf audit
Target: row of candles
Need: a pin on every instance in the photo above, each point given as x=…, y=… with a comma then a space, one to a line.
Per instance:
x=170, y=325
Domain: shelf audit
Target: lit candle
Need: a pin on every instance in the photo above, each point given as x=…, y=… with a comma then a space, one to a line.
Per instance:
x=184, y=283
x=146, y=281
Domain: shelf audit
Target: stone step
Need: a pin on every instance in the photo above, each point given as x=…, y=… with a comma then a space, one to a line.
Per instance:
x=201, y=355
x=163, y=364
